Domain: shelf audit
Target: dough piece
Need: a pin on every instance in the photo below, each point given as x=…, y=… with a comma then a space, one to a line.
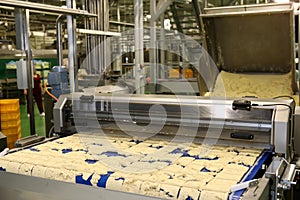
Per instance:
x=247, y=160
x=115, y=183
x=168, y=191
x=25, y=169
x=188, y=193
x=220, y=185
x=184, y=161
x=13, y=167
x=174, y=181
x=131, y=185
x=58, y=174
x=150, y=188
x=197, y=183
x=3, y=164
x=212, y=195
x=234, y=169
x=39, y=171
x=142, y=148
x=173, y=168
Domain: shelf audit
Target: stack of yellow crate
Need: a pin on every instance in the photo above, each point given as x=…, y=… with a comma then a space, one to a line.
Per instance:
x=10, y=120
x=173, y=73
x=188, y=73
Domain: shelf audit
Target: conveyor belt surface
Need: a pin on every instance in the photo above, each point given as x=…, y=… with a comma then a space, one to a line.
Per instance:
x=155, y=168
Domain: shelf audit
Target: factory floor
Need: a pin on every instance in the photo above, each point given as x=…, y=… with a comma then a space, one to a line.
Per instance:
x=25, y=122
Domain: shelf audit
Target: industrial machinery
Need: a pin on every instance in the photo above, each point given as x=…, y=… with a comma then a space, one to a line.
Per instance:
x=245, y=41
x=241, y=127
x=58, y=79
x=121, y=146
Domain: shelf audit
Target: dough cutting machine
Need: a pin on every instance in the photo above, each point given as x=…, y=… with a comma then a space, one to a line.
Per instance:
x=262, y=125
x=257, y=125
x=254, y=123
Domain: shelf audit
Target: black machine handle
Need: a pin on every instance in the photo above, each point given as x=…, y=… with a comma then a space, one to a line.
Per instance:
x=242, y=135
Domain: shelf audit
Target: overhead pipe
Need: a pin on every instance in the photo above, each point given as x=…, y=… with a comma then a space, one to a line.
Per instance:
x=59, y=21
x=87, y=38
x=45, y=7
x=99, y=9
x=93, y=40
x=71, y=48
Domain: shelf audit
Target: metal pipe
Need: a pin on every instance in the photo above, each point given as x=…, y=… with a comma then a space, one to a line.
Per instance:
x=29, y=71
x=71, y=53
x=98, y=32
x=153, y=68
x=121, y=23
x=162, y=46
x=139, y=46
x=44, y=7
x=58, y=39
x=104, y=41
x=75, y=48
x=298, y=53
x=92, y=52
x=100, y=52
x=87, y=38
x=118, y=15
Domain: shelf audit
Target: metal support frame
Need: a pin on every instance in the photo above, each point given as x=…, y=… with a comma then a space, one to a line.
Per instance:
x=13, y=185
x=161, y=8
x=176, y=17
x=139, y=46
x=96, y=32
x=71, y=26
x=298, y=51
x=153, y=66
x=162, y=46
x=23, y=43
x=274, y=173
x=59, y=20
x=156, y=10
x=103, y=25
x=44, y=7
x=197, y=12
x=19, y=28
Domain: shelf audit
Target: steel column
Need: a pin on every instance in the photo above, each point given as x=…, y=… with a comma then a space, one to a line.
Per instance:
x=71, y=48
x=58, y=39
x=153, y=61
x=298, y=55
x=139, y=46
x=26, y=31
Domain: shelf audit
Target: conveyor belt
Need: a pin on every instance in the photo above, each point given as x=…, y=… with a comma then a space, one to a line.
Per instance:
x=155, y=168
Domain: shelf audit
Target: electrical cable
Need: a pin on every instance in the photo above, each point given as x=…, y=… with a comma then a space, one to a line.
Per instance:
x=276, y=104
x=285, y=96
x=51, y=131
x=49, y=93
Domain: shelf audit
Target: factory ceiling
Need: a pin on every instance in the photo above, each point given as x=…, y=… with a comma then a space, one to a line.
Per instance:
x=121, y=17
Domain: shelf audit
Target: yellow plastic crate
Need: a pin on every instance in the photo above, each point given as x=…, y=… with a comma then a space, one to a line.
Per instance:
x=173, y=73
x=10, y=115
x=11, y=122
x=11, y=130
x=11, y=140
x=9, y=105
x=188, y=73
